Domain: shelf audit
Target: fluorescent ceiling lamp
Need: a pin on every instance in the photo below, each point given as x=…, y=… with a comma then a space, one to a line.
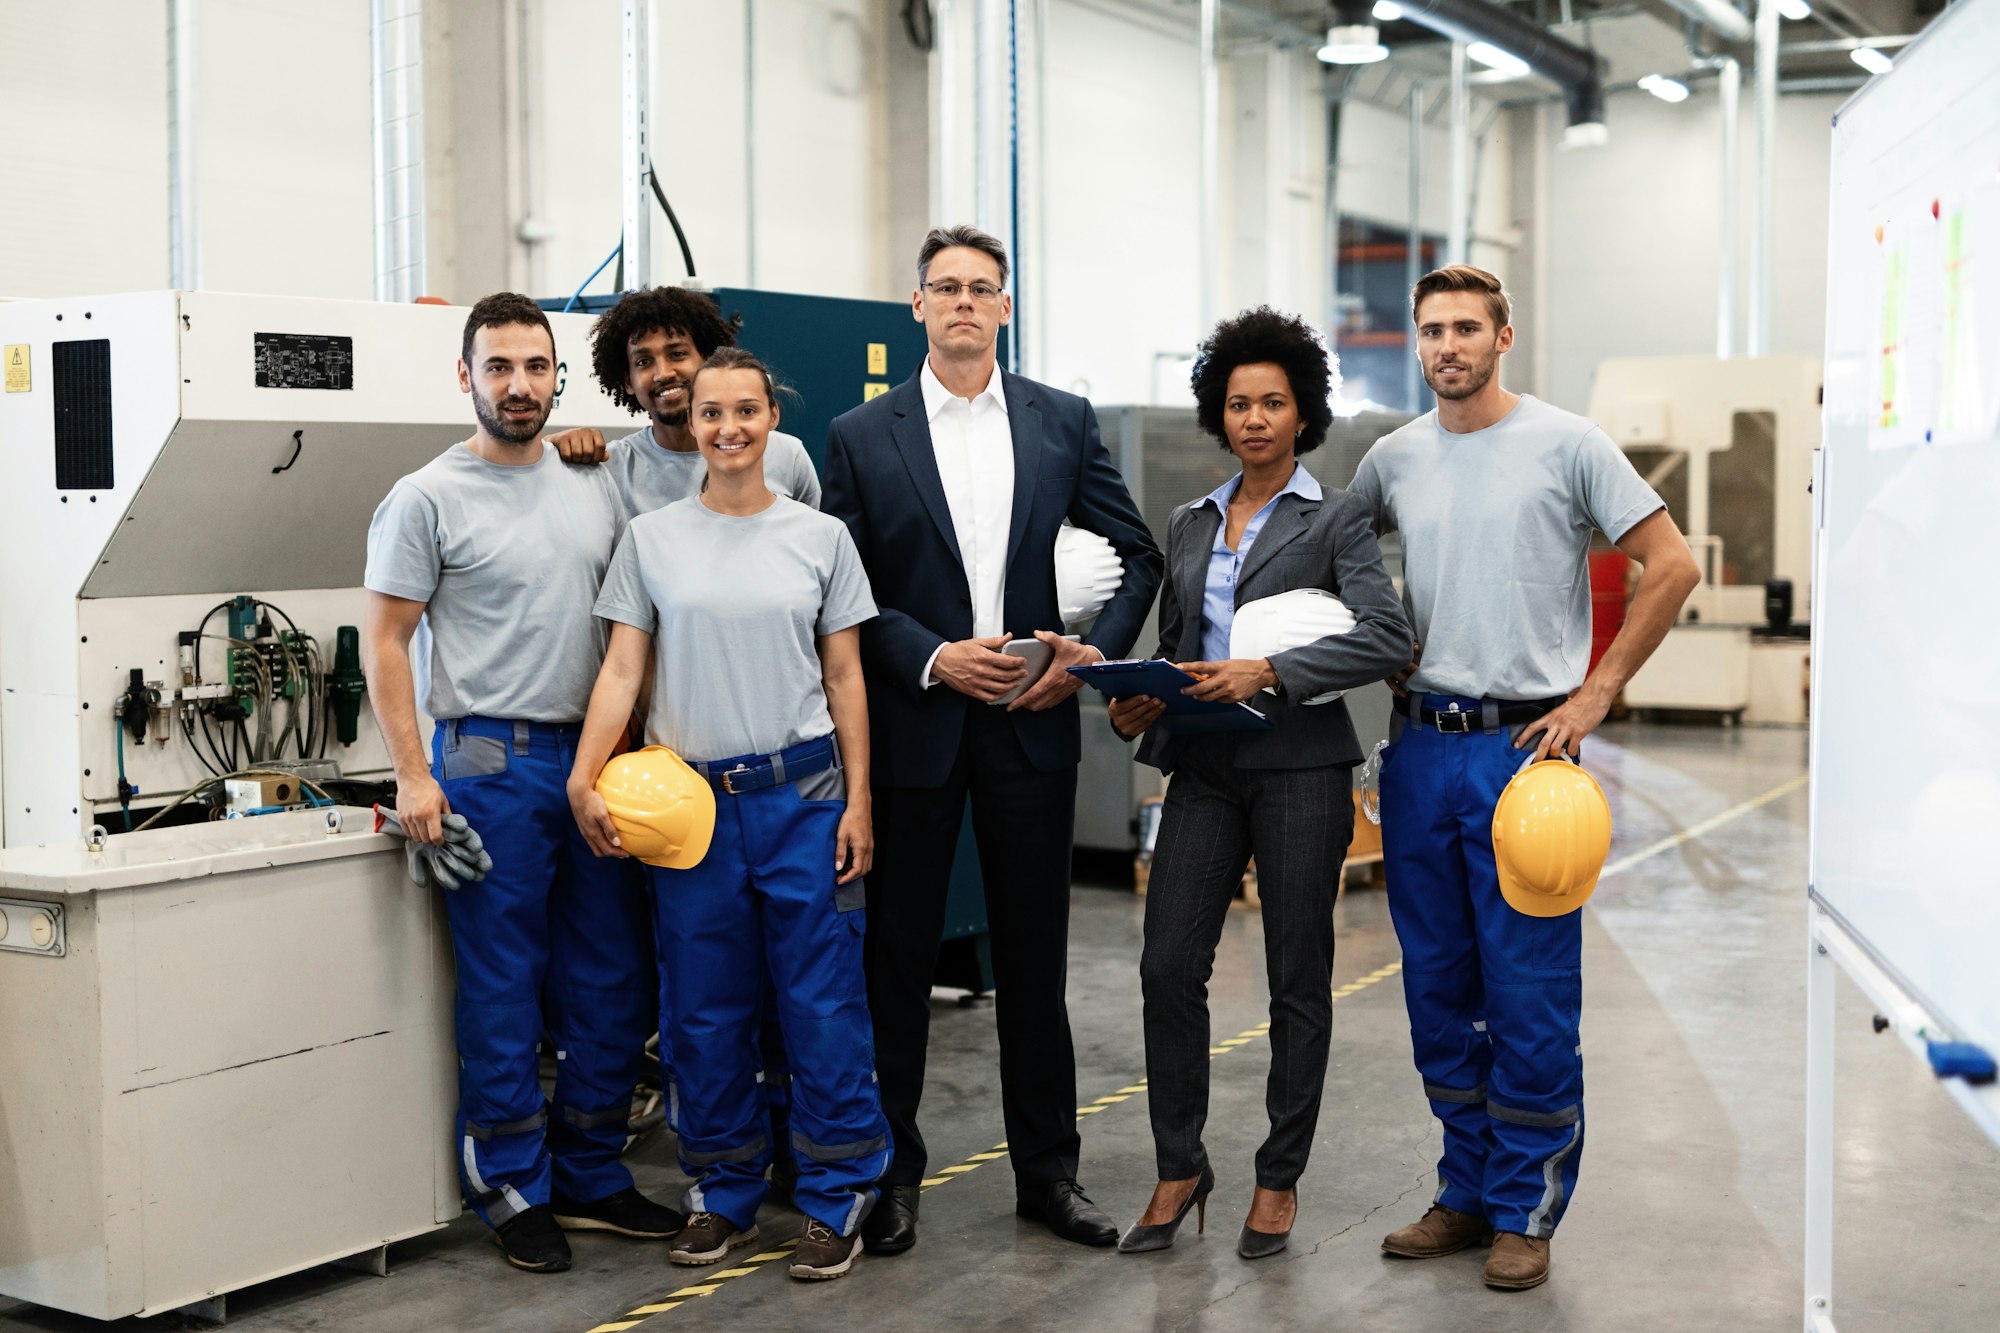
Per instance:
x=1664, y=88
x=1491, y=56
x=1387, y=11
x=1794, y=10
x=1353, y=44
x=1872, y=60
x=1590, y=134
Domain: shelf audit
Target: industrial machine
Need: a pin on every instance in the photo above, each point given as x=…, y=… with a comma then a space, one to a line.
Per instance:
x=184, y=506
x=1729, y=445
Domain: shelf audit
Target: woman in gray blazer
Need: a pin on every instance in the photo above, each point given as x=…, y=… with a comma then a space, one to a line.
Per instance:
x=1262, y=385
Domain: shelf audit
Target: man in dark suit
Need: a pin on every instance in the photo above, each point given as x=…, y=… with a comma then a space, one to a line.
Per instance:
x=954, y=485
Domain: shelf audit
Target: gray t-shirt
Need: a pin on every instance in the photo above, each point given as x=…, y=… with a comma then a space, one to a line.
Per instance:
x=735, y=606
x=509, y=560
x=1496, y=530
x=651, y=476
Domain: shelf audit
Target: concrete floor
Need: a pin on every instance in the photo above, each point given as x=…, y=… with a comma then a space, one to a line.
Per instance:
x=1688, y=1214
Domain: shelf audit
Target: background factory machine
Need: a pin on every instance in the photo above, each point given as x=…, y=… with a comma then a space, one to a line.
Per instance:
x=1729, y=445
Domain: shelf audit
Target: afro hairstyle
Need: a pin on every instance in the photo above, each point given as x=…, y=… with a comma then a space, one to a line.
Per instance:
x=1269, y=336
x=638, y=313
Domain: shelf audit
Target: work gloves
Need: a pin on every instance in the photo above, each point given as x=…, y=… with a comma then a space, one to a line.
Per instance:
x=461, y=859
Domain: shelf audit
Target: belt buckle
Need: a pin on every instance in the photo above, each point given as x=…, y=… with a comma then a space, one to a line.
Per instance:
x=729, y=786
x=1462, y=720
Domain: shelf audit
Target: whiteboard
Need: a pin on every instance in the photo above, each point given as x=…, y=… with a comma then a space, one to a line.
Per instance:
x=1905, y=824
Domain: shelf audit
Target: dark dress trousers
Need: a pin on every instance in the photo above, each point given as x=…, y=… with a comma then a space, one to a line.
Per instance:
x=932, y=747
x=1283, y=796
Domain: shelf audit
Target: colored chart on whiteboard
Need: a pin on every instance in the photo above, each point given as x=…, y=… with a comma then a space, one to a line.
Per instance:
x=1936, y=282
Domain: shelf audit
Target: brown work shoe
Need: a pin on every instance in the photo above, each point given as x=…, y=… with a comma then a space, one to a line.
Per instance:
x=1517, y=1262
x=1440, y=1231
x=821, y=1254
x=707, y=1238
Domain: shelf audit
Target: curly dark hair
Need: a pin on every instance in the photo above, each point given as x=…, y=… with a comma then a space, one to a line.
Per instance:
x=1266, y=335
x=638, y=313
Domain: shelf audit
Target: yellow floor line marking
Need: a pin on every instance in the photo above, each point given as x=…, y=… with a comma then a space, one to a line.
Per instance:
x=1708, y=825
x=947, y=1174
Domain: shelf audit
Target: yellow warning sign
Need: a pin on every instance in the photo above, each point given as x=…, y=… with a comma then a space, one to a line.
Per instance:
x=873, y=390
x=18, y=367
x=878, y=358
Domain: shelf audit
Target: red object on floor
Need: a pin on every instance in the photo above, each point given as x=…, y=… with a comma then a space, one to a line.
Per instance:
x=1607, y=600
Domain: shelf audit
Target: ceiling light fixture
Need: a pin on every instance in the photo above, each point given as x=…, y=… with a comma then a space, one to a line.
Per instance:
x=1664, y=88
x=1872, y=60
x=1505, y=63
x=1387, y=11
x=1795, y=10
x=1353, y=44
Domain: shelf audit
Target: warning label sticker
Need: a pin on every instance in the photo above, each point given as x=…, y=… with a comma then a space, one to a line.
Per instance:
x=18, y=367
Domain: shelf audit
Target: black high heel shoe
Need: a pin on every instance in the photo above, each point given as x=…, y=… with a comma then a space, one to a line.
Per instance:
x=1141, y=1238
x=1254, y=1244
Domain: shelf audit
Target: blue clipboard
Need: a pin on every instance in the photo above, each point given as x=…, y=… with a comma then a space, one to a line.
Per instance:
x=1164, y=681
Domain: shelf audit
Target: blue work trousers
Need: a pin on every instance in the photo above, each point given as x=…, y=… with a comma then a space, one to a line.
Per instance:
x=555, y=937
x=1495, y=996
x=763, y=903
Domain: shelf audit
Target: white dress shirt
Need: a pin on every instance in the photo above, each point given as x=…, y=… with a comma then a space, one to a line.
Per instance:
x=975, y=460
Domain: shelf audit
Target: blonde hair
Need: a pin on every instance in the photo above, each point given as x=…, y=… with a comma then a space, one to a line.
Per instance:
x=1464, y=278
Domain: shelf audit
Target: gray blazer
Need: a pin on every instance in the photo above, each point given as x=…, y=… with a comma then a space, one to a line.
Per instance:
x=1327, y=543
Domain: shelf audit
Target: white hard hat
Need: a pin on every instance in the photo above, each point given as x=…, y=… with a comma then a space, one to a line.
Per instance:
x=1271, y=625
x=1088, y=572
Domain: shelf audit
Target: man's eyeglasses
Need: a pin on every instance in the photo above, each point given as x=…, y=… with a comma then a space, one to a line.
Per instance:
x=949, y=288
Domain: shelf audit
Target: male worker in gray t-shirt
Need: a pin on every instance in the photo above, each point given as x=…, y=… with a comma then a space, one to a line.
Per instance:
x=644, y=352
x=1496, y=495
x=489, y=557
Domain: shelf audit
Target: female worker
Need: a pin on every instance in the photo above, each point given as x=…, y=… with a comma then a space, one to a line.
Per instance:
x=750, y=604
x=1262, y=385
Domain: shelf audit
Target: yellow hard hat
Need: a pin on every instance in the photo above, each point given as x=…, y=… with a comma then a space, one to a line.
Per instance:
x=1551, y=833
x=664, y=811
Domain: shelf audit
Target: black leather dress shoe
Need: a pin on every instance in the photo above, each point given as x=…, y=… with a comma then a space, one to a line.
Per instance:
x=1065, y=1209
x=891, y=1226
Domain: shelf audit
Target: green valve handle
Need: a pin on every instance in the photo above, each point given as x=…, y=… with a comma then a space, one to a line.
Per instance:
x=346, y=686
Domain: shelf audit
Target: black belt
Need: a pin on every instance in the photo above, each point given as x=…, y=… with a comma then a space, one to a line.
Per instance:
x=1491, y=715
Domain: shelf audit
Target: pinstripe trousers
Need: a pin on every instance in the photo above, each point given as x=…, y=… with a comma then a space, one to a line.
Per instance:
x=1297, y=823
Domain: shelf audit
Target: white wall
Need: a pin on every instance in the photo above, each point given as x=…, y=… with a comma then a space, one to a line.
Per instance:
x=282, y=165
x=284, y=153
x=1634, y=235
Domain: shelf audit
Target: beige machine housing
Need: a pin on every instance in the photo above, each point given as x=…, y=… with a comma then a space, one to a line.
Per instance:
x=1729, y=444
x=227, y=1057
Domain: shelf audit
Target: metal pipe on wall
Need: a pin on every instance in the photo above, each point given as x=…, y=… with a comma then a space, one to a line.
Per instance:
x=1459, y=243
x=1729, y=87
x=1038, y=307
x=750, y=143
x=947, y=153
x=991, y=202
x=1413, y=257
x=1211, y=168
x=396, y=67
x=183, y=232
x=636, y=148
x=1330, y=242
x=1763, y=234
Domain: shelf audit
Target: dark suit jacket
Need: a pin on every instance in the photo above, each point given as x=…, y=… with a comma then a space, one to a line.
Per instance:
x=1330, y=544
x=882, y=481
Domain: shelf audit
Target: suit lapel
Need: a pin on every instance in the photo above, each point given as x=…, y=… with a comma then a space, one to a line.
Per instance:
x=912, y=434
x=1024, y=423
x=1292, y=517
x=1200, y=532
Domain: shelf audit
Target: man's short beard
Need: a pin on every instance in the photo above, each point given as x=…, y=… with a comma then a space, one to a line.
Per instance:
x=500, y=428
x=672, y=420
x=1476, y=378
